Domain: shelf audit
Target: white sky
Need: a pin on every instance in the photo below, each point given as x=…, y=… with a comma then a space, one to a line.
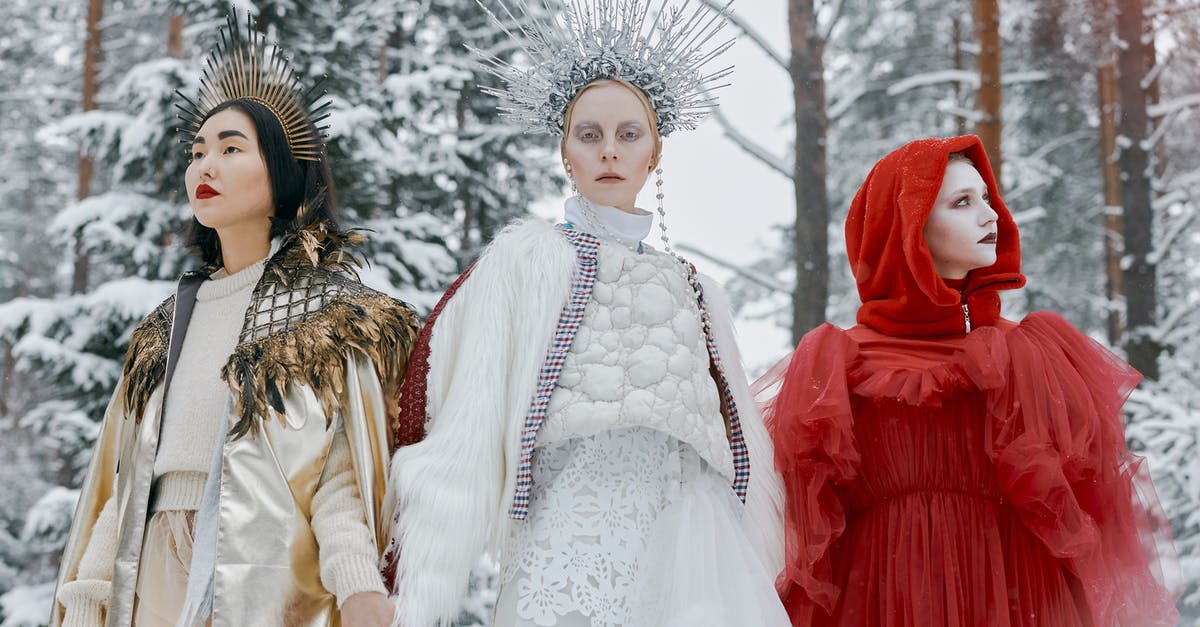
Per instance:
x=718, y=198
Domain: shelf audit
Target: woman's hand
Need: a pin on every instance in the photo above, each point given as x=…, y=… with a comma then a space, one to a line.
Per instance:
x=367, y=609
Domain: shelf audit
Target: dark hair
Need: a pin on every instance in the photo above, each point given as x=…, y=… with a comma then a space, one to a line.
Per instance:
x=293, y=182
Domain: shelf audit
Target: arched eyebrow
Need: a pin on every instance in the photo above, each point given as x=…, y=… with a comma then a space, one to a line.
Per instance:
x=222, y=135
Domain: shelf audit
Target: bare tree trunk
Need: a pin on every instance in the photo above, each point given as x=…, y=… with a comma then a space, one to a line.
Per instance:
x=956, y=25
x=987, y=100
x=1136, y=194
x=7, y=376
x=811, y=238
x=91, y=74
x=175, y=24
x=1114, y=227
x=175, y=37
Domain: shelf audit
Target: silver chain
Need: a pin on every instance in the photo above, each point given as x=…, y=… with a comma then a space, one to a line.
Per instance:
x=594, y=221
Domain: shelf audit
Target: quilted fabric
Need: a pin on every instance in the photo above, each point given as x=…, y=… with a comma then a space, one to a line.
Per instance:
x=640, y=359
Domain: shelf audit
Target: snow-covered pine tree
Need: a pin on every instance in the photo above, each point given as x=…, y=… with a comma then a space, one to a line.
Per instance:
x=1165, y=414
x=67, y=348
x=420, y=158
x=39, y=70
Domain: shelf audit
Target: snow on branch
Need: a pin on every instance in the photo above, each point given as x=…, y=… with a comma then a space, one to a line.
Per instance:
x=1175, y=230
x=779, y=164
x=965, y=77
x=1171, y=106
x=743, y=272
x=750, y=32
x=1167, y=9
x=833, y=15
x=971, y=115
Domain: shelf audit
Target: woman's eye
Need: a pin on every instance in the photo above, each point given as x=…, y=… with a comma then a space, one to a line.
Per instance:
x=232, y=149
x=963, y=201
x=196, y=156
x=631, y=136
x=587, y=137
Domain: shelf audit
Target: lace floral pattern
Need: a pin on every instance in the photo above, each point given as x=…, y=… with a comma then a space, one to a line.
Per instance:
x=595, y=501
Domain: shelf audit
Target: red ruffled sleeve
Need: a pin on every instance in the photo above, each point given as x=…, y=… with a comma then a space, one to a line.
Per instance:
x=1058, y=443
x=810, y=422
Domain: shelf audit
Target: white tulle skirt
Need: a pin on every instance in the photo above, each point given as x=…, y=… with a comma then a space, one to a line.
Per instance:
x=632, y=528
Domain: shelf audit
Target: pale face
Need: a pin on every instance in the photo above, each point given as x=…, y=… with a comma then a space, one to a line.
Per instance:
x=610, y=145
x=961, y=229
x=227, y=182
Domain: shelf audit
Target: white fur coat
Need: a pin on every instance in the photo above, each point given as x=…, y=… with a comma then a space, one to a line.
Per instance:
x=454, y=488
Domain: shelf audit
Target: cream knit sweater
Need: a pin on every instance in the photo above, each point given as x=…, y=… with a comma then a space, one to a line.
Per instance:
x=348, y=557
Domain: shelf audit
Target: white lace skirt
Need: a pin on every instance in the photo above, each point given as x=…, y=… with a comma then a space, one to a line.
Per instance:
x=632, y=528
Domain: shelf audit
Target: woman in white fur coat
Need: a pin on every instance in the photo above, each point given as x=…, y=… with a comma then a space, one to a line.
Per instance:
x=586, y=418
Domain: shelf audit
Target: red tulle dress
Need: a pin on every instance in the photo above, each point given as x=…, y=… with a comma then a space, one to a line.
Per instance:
x=937, y=477
x=933, y=483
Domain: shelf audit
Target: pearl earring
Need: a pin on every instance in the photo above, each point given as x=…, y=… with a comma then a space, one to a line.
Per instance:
x=570, y=175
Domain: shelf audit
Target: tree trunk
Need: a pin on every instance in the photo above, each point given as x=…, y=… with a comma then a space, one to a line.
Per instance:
x=175, y=37
x=91, y=76
x=1136, y=194
x=811, y=237
x=1114, y=227
x=7, y=376
x=987, y=100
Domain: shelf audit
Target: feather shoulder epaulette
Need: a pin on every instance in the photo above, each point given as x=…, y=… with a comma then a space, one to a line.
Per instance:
x=302, y=321
x=146, y=359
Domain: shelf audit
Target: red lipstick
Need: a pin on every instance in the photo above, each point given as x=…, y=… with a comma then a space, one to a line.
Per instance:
x=204, y=191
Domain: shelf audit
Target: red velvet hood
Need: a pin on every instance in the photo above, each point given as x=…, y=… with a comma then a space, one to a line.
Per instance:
x=901, y=294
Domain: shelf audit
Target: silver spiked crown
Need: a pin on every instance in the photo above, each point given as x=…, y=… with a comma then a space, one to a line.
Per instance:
x=571, y=43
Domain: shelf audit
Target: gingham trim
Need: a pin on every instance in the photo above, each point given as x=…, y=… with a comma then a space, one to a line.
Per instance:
x=737, y=440
x=586, y=247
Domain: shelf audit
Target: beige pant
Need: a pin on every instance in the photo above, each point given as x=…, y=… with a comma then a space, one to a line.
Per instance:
x=163, y=570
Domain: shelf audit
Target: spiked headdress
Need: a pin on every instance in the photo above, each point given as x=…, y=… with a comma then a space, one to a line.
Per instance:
x=578, y=42
x=244, y=66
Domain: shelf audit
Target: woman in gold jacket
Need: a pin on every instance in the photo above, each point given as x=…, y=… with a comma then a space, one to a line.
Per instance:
x=239, y=473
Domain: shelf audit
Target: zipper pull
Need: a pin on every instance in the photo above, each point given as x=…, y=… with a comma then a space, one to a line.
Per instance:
x=967, y=316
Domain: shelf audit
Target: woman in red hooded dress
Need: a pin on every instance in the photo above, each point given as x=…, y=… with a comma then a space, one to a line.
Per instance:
x=945, y=466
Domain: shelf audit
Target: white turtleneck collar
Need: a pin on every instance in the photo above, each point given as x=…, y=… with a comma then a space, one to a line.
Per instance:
x=628, y=229
x=221, y=284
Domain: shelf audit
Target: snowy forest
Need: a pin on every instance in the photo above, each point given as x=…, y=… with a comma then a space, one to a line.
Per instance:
x=1090, y=110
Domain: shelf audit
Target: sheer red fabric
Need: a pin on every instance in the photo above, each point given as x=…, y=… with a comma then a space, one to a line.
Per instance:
x=966, y=481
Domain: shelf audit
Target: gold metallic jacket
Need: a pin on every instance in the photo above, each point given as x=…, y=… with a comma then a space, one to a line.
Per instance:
x=317, y=349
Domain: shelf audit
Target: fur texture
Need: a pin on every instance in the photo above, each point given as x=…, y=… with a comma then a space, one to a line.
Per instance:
x=452, y=488
x=146, y=359
x=313, y=353
x=330, y=312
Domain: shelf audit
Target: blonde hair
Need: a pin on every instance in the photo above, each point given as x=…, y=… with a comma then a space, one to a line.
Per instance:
x=651, y=116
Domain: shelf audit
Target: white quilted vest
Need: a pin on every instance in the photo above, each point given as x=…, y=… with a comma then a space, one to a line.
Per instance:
x=640, y=359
